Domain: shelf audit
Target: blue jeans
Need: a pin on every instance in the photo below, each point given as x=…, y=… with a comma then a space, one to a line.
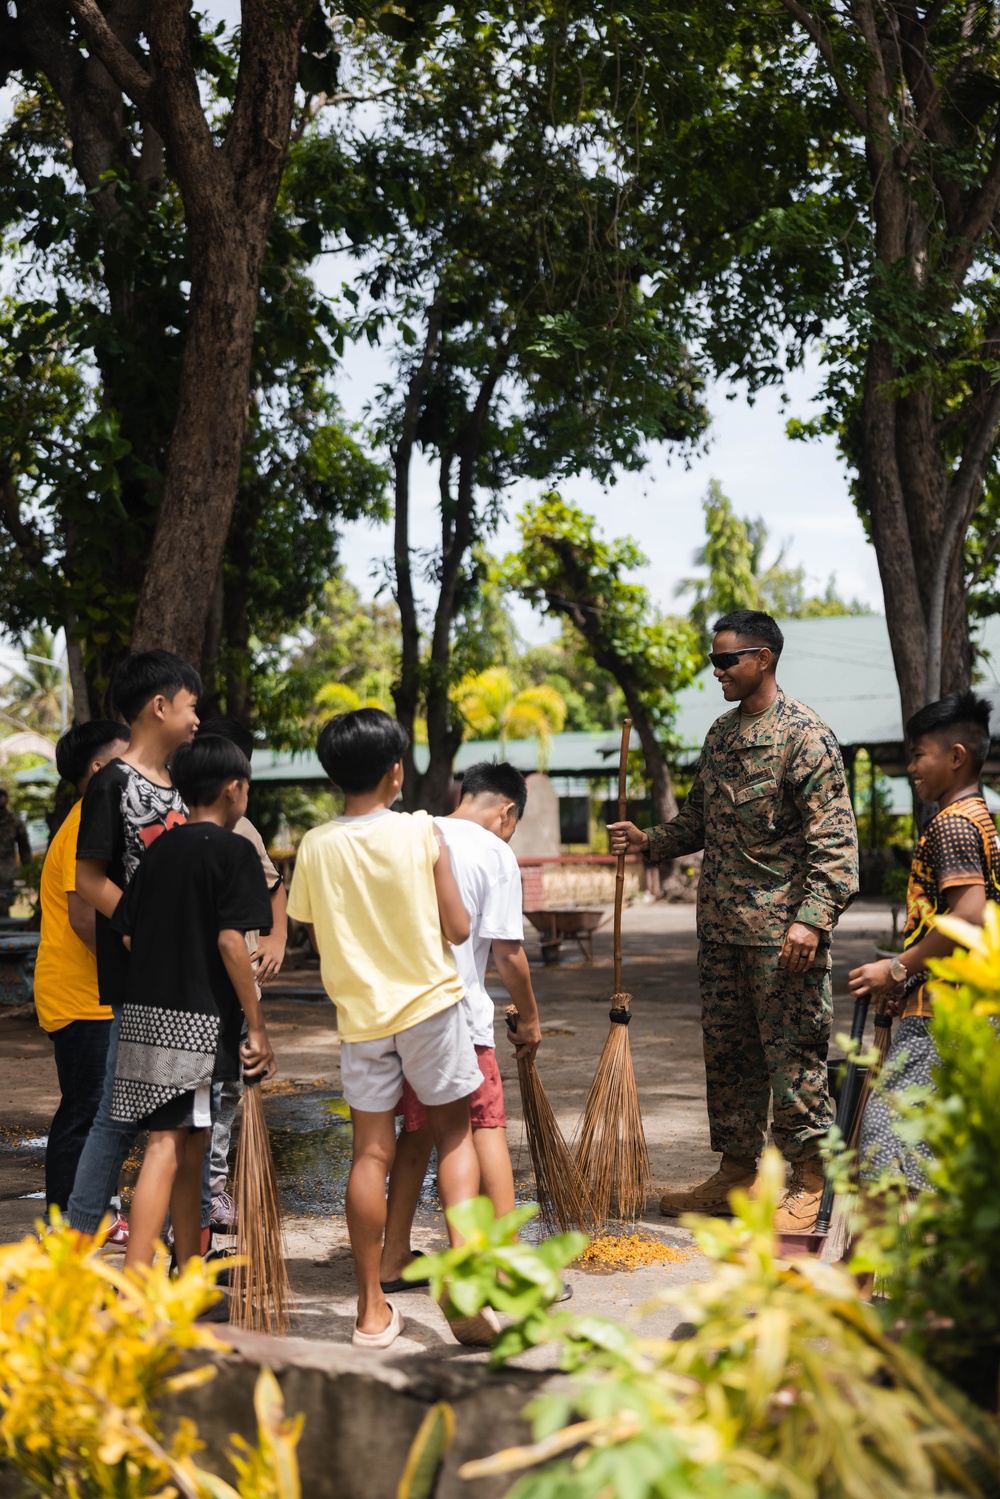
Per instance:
x=81, y=1056
x=216, y=1170
x=103, y=1156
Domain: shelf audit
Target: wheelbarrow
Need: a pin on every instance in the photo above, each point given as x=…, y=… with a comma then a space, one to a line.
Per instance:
x=18, y=951
x=570, y=924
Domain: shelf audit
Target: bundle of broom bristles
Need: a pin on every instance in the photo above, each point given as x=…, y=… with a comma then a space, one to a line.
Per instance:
x=563, y=1199
x=611, y=1153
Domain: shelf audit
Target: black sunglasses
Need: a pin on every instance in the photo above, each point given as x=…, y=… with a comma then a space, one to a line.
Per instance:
x=722, y=660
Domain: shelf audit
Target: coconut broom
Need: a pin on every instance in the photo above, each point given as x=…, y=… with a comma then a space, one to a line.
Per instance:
x=563, y=1199
x=611, y=1152
x=261, y=1293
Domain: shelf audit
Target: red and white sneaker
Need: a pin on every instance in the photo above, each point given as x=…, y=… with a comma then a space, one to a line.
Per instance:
x=117, y=1235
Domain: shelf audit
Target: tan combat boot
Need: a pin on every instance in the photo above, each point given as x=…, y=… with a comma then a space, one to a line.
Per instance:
x=796, y=1212
x=711, y=1196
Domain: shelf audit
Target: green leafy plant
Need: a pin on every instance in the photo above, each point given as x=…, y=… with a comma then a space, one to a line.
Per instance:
x=427, y=1453
x=787, y=1386
x=939, y=1255
x=86, y=1356
x=491, y=1268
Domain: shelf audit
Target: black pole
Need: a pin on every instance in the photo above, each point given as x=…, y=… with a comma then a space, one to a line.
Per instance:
x=846, y=1106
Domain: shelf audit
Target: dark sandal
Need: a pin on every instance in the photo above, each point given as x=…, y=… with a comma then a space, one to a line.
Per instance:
x=394, y=1287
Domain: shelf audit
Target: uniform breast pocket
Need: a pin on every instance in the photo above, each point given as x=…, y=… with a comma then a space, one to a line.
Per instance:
x=755, y=804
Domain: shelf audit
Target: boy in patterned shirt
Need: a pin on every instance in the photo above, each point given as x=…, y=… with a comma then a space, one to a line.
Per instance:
x=185, y=917
x=128, y=805
x=955, y=871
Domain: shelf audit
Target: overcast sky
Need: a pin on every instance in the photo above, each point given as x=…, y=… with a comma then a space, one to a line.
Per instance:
x=800, y=490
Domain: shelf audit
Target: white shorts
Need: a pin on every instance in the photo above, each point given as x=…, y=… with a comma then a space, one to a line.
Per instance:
x=436, y=1056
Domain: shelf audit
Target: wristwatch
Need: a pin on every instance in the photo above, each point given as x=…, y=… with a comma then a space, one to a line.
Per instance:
x=898, y=970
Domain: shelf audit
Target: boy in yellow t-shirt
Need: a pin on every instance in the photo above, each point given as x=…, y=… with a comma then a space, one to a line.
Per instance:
x=66, y=997
x=376, y=890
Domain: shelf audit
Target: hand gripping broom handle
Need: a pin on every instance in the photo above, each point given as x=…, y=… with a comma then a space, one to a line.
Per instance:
x=620, y=876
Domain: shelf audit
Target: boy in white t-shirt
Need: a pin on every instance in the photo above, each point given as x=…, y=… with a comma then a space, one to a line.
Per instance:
x=489, y=882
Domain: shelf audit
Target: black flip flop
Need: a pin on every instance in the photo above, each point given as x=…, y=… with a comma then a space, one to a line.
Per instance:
x=394, y=1287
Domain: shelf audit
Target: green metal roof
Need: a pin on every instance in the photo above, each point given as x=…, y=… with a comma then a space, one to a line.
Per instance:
x=567, y=755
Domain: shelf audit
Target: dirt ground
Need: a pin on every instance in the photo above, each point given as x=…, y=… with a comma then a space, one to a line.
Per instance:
x=312, y=1145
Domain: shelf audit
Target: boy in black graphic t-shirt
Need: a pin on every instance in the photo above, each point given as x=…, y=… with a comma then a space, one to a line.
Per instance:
x=190, y=983
x=128, y=805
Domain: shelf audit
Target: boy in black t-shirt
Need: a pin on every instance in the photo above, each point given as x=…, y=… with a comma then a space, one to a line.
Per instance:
x=127, y=806
x=190, y=982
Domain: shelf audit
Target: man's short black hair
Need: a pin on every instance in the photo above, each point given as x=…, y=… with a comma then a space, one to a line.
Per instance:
x=959, y=718
x=753, y=626
x=79, y=746
x=200, y=769
x=496, y=778
x=229, y=728
x=356, y=749
x=141, y=677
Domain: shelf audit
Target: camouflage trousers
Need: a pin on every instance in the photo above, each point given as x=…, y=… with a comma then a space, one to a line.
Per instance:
x=766, y=1034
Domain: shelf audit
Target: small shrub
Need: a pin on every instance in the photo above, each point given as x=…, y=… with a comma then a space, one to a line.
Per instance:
x=86, y=1355
x=788, y=1387
x=939, y=1255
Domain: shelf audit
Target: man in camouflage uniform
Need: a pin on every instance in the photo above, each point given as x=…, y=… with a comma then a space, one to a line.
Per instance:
x=769, y=805
x=13, y=841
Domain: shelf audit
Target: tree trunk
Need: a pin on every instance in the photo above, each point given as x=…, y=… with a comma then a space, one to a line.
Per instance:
x=886, y=504
x=229, y=192
x=927, y=220
x=444, y=735
x=203, y=465
x=588, y=622
x=406, y=691
x=79, y=685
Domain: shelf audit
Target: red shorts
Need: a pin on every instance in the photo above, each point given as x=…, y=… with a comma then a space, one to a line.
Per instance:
x=486, y=1104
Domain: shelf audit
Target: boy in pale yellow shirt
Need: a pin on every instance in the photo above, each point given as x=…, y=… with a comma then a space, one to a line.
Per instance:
x=376, y=890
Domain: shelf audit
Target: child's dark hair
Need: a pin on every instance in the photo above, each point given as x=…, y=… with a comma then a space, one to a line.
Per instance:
x=80, y=746
x=498, y=779
x=753, y=626
x=959, y=718
x=356, y=749
x=229, y=728
x=140, y=678
x=200, y=769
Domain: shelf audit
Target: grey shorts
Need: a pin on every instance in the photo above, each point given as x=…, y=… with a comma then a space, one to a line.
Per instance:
x=436, y=1056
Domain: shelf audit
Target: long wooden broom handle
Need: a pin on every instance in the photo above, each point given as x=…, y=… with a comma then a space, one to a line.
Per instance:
x=620, y=876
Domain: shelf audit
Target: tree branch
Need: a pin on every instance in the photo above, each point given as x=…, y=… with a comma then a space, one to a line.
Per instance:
x=265, y=83
x=24, y=537
x=185, y=128
x=822, y=44
x=980, y=215
x=130, y=76
x=964, y=496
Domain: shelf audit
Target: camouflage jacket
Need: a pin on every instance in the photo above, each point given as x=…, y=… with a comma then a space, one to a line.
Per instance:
x=772, y=812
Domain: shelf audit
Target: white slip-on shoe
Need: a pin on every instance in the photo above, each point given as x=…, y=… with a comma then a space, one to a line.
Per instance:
x=383, y=1339
x=475, y=1332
